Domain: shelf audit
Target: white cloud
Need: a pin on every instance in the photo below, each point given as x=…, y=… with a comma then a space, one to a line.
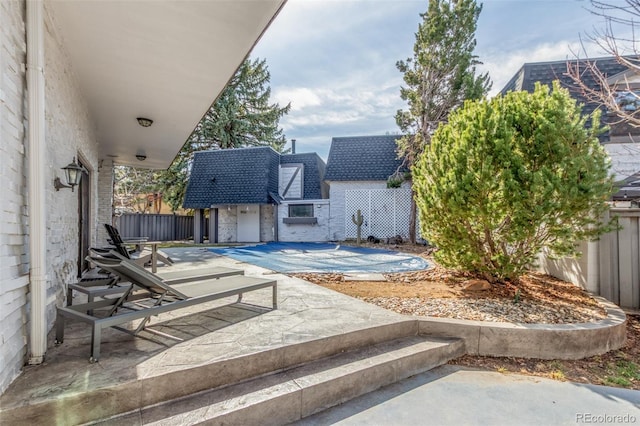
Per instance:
x=300, y=97
x=334, y=60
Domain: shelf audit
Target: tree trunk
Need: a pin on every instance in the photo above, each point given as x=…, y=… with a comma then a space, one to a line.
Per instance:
x=412, y=218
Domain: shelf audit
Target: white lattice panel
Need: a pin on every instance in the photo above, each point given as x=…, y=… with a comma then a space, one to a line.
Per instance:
x=356, y=199
x=386, y=212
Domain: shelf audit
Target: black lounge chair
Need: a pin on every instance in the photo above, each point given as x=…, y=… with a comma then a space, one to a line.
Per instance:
x=138, y=255
x=103, y=286
x=161, y=297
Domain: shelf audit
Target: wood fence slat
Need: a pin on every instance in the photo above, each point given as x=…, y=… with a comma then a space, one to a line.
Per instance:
x=156, y=227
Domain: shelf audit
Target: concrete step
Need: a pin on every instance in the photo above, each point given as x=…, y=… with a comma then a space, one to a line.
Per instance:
x=301, y=391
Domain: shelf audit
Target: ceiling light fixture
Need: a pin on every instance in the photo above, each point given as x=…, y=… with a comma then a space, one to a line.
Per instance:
x=144, y=122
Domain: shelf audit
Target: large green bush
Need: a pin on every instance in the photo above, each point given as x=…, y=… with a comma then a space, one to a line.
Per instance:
x=508, y=176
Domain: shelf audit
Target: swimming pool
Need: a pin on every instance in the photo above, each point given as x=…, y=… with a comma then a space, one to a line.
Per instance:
x=323, y=257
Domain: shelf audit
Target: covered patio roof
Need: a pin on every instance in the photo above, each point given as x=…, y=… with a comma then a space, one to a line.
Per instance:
x=163, y=60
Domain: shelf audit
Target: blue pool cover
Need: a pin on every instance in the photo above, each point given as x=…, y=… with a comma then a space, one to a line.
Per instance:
x=323, y=257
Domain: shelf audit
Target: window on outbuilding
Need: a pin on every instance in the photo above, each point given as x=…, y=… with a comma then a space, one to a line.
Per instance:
x=300, y=210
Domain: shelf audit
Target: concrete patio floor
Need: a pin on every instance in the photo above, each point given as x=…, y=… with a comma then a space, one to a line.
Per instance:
x=226, y=342
x=212, y=332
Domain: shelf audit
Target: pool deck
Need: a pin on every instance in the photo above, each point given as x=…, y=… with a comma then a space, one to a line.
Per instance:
x=225, y=342
x=220, y=330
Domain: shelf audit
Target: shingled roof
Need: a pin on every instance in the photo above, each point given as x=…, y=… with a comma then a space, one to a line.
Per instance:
x=361, y=158
x=547, y=72
x=246, y=176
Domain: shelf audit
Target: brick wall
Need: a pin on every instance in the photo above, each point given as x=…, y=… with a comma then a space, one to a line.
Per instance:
x=68, y=133
x=318, y=232
x=266, y=223
x=14, y=268
x=227, y=224
x=105, y=201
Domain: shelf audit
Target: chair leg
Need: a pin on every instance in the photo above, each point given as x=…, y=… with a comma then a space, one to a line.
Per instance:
x=69, y=296
x=275, y=296
x=59, y=329
x=96, y=337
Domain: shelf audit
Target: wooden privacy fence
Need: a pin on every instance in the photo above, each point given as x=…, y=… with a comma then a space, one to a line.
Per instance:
x=619, y=259
x=156, y=227
x=610, y=266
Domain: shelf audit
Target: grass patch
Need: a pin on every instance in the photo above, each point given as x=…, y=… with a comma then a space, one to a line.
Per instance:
x=623, y=373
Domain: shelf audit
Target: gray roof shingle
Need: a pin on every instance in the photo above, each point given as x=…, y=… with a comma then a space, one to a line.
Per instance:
x=245, y=176
x=361, y=158
x=547, y=72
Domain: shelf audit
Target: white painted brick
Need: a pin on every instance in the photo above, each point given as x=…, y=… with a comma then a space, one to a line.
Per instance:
x=68, y=133
x=318, y=232
x=266, y=223
x=227, y=224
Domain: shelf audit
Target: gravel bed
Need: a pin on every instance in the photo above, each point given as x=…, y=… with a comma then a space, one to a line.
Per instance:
x=492, y=310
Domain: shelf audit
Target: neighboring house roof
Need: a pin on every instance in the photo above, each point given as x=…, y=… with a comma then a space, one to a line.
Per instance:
x=246, y=176
x=628, y=189
x=547, y=72
x=624, y=160
x=362, y=158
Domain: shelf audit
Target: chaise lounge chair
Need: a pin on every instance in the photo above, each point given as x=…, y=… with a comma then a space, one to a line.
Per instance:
x=99, y=287
x=140, y=256
x=161, y=297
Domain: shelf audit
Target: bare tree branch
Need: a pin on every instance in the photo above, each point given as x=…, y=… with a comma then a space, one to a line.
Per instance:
x=618, y=98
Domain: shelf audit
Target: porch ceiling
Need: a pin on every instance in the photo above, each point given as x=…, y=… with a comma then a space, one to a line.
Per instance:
x=163, y=60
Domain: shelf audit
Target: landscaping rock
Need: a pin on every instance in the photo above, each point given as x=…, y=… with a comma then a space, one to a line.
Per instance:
x=477, y=285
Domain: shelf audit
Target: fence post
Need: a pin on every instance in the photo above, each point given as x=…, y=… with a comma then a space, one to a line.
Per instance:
x=197, y=226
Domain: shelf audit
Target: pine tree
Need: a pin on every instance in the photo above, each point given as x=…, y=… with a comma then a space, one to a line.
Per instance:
x=439, y=77
x=507, y=177
x=242, y=116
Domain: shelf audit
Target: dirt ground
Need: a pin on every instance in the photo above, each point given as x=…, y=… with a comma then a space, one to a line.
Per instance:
x=411, y=291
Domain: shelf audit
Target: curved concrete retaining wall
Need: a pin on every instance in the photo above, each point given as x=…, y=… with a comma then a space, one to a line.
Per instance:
x=543, y=341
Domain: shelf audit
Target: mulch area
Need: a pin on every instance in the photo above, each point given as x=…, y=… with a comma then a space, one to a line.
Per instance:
x=536, y=298
x=437, y=292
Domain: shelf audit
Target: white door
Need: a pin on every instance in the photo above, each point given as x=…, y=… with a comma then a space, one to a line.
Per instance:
x=249, y=223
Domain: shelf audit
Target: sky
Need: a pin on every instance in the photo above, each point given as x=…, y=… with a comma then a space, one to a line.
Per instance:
x=335, y=60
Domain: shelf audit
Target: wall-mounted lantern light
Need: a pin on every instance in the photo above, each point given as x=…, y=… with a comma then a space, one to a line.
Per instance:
x=72, y=173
